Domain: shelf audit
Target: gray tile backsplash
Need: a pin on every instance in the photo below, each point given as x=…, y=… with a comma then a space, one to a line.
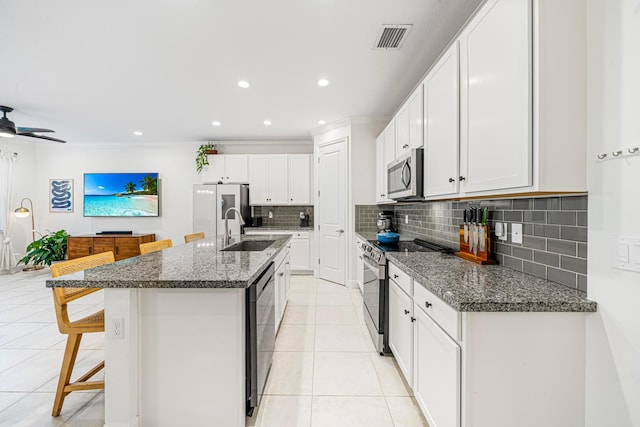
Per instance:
x=554, y=241
x=283, y=216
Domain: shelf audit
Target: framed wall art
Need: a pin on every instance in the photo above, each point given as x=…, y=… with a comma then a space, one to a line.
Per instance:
x=61, y=195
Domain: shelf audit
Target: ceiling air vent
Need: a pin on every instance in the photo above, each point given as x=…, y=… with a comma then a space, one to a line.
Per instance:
x=391, y=36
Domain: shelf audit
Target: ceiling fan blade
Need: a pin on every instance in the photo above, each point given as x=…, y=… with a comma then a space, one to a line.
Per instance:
x=48, y=138
x=29, y=130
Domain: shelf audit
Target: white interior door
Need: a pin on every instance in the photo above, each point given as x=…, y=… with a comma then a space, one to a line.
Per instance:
x=332, y=207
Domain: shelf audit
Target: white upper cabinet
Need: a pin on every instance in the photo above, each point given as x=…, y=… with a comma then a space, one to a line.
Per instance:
x=299, y=179
x=441, y=126
x=280, y=179
x=259, y=190
x=408, y=123
x=521, y=103
x=236, y=168
x=496, y=74
x=226, y=168
x=381, y=170
x=385, y=154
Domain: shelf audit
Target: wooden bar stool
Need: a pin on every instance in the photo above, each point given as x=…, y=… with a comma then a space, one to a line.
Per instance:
x=193, y=237
x=75, y=329
x=146, y=248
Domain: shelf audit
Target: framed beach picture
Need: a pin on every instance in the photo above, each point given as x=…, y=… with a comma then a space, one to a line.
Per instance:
x=61, y=195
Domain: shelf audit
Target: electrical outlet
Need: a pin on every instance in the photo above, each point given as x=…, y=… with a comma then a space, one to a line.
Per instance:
x=406, y=219
x=516, y=233
x=270, y=215
x=117, y=328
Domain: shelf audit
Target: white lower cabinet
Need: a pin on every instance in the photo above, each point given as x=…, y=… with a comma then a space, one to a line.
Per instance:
x=436, y=372
x=487, y=369
x=282, y=283
x=401, y=329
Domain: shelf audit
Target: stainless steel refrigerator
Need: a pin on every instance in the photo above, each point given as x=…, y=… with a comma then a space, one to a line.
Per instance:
x=211, y=201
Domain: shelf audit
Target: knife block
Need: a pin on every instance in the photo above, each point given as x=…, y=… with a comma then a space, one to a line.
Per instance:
x=483, y=257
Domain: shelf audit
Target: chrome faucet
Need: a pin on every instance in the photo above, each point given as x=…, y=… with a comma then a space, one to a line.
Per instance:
x=227, y=232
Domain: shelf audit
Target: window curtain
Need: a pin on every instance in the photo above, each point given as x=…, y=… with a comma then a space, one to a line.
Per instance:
x=7, y=172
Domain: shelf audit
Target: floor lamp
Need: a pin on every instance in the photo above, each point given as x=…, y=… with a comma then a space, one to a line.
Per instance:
x=23, y=212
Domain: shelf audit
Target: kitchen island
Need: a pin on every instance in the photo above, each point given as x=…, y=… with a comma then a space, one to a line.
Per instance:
x=175, y=332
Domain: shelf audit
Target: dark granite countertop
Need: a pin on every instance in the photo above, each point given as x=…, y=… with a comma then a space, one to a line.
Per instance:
x=199, y=264
x=367, y=235
x=276, y=228
x=466, y=286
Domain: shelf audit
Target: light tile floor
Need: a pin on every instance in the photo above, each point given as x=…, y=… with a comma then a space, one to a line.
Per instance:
x=325, y=370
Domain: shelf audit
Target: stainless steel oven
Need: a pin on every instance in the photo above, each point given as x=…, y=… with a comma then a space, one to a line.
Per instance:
x=404, y=176
x=374, y=295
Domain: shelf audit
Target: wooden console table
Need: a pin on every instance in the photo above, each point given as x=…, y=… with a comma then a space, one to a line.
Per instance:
x=122, y=245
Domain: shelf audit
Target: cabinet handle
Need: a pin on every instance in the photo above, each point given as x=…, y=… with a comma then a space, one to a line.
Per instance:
x=117, y=249
x=395, y=276
x=406, y=311
x=452, y=180
x=427, y=304
x=282, y=273
x=405, y=146
x=90, y=250
x=360, y=257
x=462, y=178
x=413, y=319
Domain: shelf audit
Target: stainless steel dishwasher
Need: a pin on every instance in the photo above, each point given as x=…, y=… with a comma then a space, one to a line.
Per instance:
x=260, y=336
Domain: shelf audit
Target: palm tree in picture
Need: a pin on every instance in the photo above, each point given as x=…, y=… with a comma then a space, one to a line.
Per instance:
x=130, y=187
x=150, y=184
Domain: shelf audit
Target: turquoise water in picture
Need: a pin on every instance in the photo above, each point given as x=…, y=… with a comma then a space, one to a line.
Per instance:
x=126, y=205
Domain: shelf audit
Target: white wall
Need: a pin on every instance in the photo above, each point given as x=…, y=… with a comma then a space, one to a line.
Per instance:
x=38, y=162
x=613, y=333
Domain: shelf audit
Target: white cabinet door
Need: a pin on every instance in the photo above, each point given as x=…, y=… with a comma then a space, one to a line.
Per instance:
x=436, y=383
x=278, y=180
x=381, y=170
x=280, y=292
x=402, y=130
x=359, y=266
x=214, y=172
x=441, y=126
x=299, y=179
x=401, y=329
x=236, y=168
x=496, y=69
x=389, y=153
x=300, y=254
x=415, y=119
x=258, y=180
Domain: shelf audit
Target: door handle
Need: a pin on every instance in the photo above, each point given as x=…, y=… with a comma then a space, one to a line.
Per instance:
x=452, y=180
x=406, y=311
x=340, y=231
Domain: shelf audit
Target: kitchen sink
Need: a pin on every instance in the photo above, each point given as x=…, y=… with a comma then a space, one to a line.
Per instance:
x=249, y=245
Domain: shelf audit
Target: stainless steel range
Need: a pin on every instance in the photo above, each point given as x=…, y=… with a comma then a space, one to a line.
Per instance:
x=376, y=284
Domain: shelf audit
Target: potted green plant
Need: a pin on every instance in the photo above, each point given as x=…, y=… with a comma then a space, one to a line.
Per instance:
x=203, y=151
x=48, y=248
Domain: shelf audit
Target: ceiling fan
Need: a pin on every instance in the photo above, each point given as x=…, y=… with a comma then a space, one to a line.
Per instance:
x=8, y=129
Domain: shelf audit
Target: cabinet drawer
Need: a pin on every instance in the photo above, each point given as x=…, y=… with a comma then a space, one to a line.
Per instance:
x=401, y=278
x=446, y=317
x=300, y=234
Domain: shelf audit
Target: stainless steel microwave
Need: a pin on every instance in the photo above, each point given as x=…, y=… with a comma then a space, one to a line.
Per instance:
x=404, y=176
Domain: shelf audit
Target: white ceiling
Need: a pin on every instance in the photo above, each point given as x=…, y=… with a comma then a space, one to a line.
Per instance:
x=95, y=71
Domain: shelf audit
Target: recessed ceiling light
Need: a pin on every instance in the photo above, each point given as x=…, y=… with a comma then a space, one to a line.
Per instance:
x=322, y=122
x=267, y=122
x=243, y=84
x=323, y=82
x=137, y=133
x=216, y=123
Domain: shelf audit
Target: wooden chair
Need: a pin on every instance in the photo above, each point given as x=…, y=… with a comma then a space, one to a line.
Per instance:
x=193, y=237
x=146, y=248
x=75, y=329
